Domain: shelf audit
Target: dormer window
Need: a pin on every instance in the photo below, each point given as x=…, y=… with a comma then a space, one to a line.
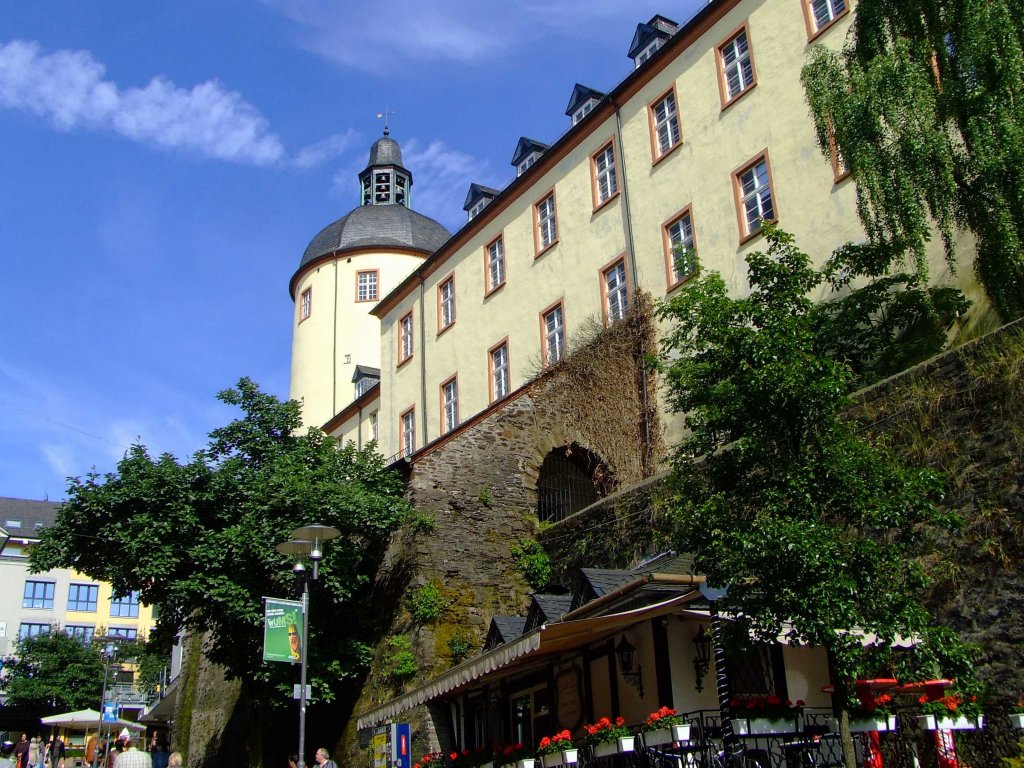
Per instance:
x=583, y=111
x=476, y=209
x=646, y=53
x=524, y=166
x=365, y=378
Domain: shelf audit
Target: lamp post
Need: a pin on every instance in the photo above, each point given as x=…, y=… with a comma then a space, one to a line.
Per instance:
x=109, y=649
x=306, y=541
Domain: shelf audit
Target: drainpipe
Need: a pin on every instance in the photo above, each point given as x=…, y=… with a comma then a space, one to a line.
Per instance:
x=423, y=362
x=627, y=225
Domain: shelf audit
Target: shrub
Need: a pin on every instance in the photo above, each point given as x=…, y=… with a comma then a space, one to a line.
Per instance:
x=427, y=603
x=533, y=562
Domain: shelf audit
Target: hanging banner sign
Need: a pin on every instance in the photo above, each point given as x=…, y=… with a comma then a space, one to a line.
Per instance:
x=282, y=630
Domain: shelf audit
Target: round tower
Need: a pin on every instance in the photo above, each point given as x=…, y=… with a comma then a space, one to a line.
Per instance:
x=350, y=265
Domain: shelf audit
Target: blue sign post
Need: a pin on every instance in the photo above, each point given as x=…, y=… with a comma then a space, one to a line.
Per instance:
x=109, y=712
x=401, y=745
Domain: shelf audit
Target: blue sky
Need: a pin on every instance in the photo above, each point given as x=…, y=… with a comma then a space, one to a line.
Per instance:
x=164, y=165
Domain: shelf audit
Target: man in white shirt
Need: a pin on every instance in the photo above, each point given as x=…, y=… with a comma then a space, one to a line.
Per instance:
x=131, y=757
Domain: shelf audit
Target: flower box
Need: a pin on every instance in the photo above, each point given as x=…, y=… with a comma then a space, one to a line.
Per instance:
x=666, y=735
x=1017, y=720
x=563, y=757
x=755, y=726
x=880, y=723
x=526, y=762
x=959, y=723
x=620, y=746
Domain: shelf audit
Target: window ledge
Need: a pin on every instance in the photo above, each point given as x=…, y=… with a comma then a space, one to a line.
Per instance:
x=739, y=96
x=403, y=361
x=756, y=233
x=490, y=292
x=546, y=248
x=607, y=202
x=670, y=152
x=445, y=328
x=822, y=30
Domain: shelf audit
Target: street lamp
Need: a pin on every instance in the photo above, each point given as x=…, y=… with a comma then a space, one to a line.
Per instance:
x=306, y=541
x=108, y=652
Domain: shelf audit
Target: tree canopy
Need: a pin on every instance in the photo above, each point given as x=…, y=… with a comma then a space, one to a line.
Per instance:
x=53, y=672
x=926, y=107
x=814, y=529
x=197, y=538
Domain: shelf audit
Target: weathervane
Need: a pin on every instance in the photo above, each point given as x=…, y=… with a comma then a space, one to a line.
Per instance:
x=385, y=115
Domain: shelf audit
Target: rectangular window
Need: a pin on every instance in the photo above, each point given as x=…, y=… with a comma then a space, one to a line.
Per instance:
x=38, y=594
x=500, y=378
x=366, y=285
x=373, y=426
x=446, y=304
x=736, y=67
x=754, y=196
x=408, y=428
x=615, y=290
x=449, y=405
x=606, y=184
x=665, y=124
x=495, y=252
x=29, y=629
x=553, y=338
x=125, y=607
x=547, y=226
x=128, y=633
x=680, y=249
x=405, y=338
x=82, y=597
x=83, y=634
x=306, y=305
x=821, y=13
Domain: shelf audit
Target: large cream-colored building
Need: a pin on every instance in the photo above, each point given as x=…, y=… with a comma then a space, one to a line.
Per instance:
x=707, y=136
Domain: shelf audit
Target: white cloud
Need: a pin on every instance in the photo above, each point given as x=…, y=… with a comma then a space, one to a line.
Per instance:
x=67, y=89
x=327, y=149
x=381, y=39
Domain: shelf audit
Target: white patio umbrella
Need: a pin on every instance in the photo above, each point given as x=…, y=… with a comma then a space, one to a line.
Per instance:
x=86, y=720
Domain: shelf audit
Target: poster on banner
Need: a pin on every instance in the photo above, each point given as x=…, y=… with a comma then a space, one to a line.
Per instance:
x=282, y=630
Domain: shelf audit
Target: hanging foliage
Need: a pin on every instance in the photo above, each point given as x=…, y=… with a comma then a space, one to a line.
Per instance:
x=926, y=106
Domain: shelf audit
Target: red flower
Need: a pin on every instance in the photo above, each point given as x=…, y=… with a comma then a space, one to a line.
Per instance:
x=620, y=721
x=453, y=756
x=544, y=742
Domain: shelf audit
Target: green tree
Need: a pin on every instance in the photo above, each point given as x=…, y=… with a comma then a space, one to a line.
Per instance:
x=814, y=530
x=197, y=539
x=925, y=106
x=53, y=672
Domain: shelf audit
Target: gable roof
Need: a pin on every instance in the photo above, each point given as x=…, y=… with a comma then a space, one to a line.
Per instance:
x=504, y=629
x=581, y=94
x=476, y=191
x=525, y=147
x=545, y=609
x=658, y=27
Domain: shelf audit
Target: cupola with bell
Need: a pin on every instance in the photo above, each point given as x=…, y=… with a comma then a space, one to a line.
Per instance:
x=385, y=181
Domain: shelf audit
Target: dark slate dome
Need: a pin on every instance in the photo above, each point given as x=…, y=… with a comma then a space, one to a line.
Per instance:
x=385, y=151
x=378, y=226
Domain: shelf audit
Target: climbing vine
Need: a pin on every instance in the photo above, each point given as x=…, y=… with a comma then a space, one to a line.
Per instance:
x=926, y=107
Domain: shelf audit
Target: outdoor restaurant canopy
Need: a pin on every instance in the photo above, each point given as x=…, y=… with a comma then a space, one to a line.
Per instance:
x=86, y=720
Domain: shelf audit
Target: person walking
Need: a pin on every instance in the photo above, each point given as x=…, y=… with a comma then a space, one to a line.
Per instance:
x=56, y=753
x=323, y=759
x=21, y=751
x=132, y=757
x=35, y=753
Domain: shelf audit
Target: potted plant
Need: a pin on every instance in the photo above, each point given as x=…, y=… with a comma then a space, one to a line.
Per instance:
x=664, y=726
x=430, y=760
x=953, y=712
x=517, y=754
x=557, y=750
x=753, y=715
x=1017, y=714
x=608, y=738
x=873, y=715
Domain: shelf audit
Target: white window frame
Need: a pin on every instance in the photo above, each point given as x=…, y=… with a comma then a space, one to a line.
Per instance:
x=496, y=263
x=374, y=420
x=605, y=180
x=833, y=9
x=526, y=163
x=647, y=52
x=449, y=405
x=554, y=334
x=408, y=432
x=476, y=209
x=616, y=291
x=736, y=77
x=446, y=303
x=585, y=109
x=500, y=377
x=306, y=304
x=679, y=233
x=366, y=285
x=665, y=114
x=405, y=337
x=547, y=223
x=755, y=192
